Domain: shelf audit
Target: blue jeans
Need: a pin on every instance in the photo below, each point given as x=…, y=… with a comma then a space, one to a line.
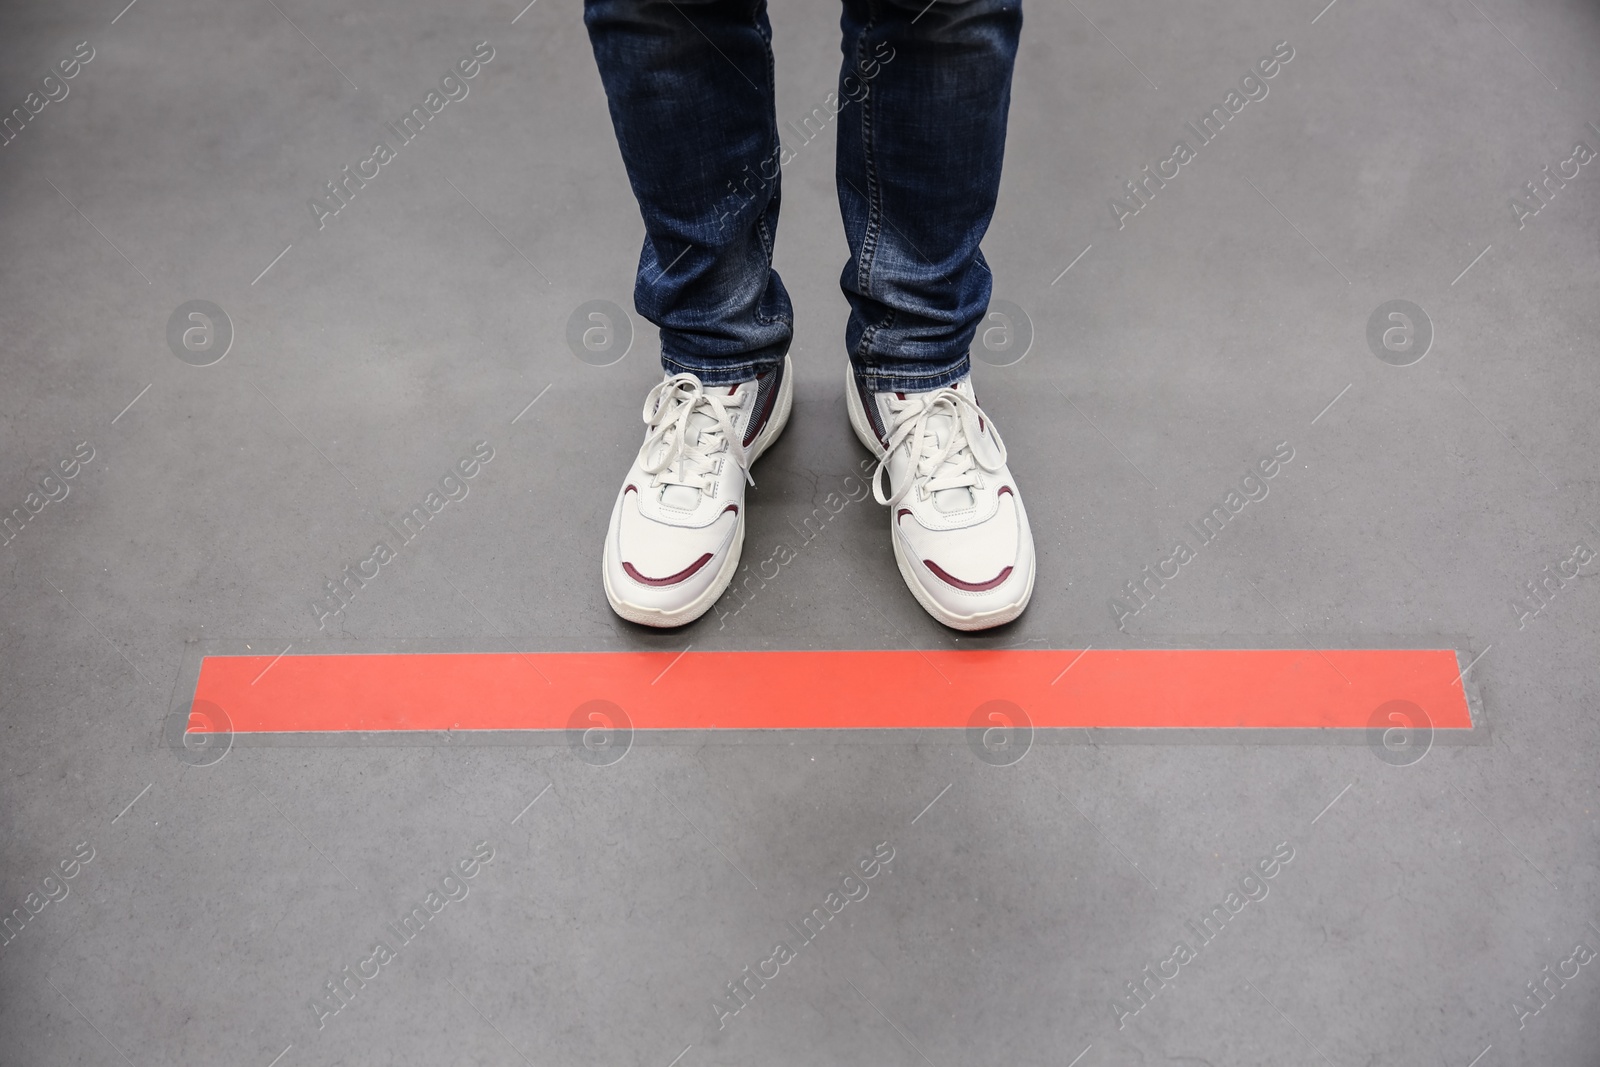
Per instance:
x=920, y=113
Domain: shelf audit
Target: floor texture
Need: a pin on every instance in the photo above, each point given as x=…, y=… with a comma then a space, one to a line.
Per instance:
x=1386, y=266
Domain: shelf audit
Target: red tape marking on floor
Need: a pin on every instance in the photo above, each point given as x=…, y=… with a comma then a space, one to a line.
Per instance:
x=1153, y=688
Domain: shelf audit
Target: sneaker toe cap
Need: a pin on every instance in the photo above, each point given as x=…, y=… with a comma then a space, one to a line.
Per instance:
x=662, y=567
x=971, y=570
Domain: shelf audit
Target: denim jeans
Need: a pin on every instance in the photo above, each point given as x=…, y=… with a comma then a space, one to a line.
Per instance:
x=921, y=123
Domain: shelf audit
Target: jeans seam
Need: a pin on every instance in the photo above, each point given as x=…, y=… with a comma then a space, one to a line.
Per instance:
x=869, y=239
x=882, y=381
x=870, y=232
x=761, y=220
x=766, y=247
x=910, y=375
x=864, y=348
x=720, y=367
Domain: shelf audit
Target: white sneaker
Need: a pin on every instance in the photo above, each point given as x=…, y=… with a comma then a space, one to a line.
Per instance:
x=678, y=525
x=959, y=530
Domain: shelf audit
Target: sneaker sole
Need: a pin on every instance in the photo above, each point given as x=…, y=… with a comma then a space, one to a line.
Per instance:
x=979, y=621
x=701, y=604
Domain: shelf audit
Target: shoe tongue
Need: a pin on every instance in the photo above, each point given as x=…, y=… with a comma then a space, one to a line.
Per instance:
x=684, y=497
x=687, y=497
x=941, y=424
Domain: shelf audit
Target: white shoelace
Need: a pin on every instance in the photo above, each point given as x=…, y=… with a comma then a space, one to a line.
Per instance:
x=688, y=429
x=956, y=464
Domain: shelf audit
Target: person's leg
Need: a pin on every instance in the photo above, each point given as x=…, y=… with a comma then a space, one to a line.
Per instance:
x=918, y=171
x=919, y=158
x=690, y=88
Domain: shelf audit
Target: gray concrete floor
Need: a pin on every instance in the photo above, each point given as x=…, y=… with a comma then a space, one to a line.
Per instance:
x=1224, y=317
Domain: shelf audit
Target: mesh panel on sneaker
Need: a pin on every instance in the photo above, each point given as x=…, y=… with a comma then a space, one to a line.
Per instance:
x=766, y=394
x=870, y=406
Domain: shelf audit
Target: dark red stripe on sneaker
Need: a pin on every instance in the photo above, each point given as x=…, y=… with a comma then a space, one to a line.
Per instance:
x=671, y=579
x=970, y=587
